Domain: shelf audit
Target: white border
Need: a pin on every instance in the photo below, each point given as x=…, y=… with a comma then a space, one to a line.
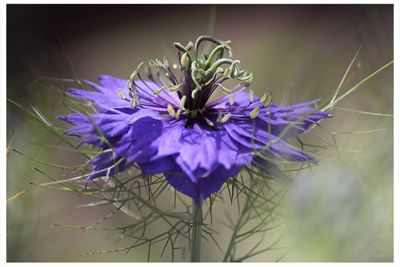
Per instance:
x=3, y=90
x=196, y=2
x=396, y=183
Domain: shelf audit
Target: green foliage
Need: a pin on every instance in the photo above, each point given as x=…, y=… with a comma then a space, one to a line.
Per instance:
x=257, y=198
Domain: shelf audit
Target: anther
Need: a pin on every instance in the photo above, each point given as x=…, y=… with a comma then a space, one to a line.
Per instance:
x=121, y=94
x=226, y=117
x=231, y=99
x=251, y=95
x=254, y=113
x=209, y=122
x=171, y=110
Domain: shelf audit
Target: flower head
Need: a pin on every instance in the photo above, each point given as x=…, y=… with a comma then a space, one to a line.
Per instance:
x=183, y=122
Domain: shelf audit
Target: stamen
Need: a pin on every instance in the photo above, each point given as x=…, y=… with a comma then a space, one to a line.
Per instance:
x=135, y=72
x=266, y=99
x=171, y=110
x=250, y=79
x=209, y=122
x=226, y=117
x=121, y=94
x=231, y=99
x=224, y=89
x=135, y=101
x=175, y=88
x=130, y=94
x=254, y=113
x=251, y=95
x=178, y=113
x=166, y=63
x=158, y=91
x=219, y=117
x=185, y=62
x=131, y=85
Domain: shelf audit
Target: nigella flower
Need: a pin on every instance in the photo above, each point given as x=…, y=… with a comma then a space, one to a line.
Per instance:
x=175, y=121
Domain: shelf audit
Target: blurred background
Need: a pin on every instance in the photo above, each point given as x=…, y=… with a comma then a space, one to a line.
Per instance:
x=341, y=210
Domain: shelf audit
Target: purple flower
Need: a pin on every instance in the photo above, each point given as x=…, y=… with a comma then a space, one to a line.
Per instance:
x=167, y=122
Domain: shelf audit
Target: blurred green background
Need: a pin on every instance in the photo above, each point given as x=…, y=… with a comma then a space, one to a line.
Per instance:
x=341, y=210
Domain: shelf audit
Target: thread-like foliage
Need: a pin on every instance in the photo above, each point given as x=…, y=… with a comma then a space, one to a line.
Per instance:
x=255, y=196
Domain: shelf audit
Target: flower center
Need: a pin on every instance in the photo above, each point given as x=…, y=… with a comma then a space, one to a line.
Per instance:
x=202, y=68
x=204, y=72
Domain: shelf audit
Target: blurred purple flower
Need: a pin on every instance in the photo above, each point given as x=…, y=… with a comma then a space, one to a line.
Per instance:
x=196, y=143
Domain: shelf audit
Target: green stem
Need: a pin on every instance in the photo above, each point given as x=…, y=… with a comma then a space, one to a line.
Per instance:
x=196, y=233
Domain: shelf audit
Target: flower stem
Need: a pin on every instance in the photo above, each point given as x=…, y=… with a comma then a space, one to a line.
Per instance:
x=196, y=233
